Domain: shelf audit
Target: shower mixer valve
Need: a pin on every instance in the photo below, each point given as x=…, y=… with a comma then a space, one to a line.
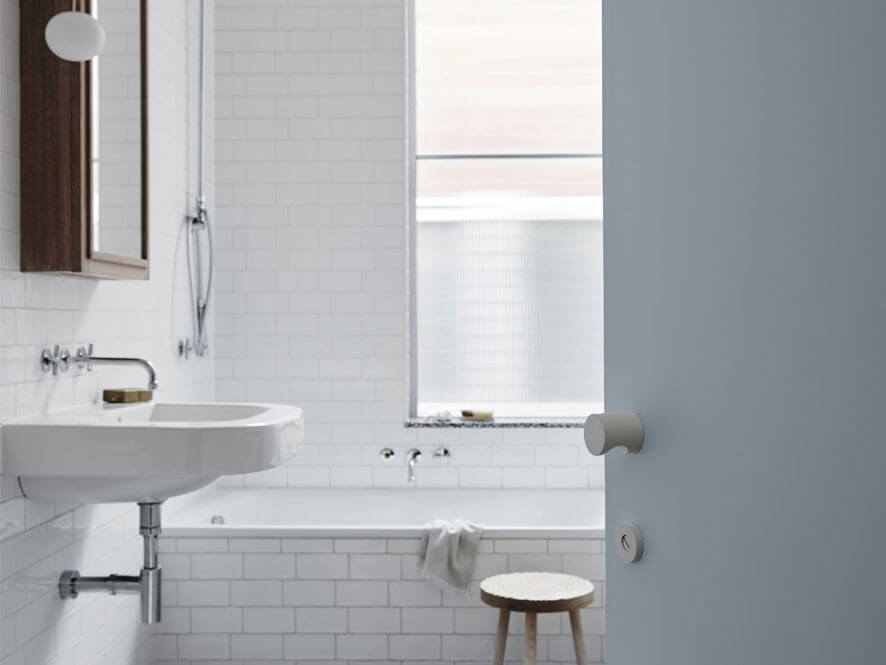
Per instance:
x=184, y=348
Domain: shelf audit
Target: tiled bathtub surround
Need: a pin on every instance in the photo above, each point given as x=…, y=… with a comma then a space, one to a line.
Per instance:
x=38, y=540
x=311, y=127
x=286, y=600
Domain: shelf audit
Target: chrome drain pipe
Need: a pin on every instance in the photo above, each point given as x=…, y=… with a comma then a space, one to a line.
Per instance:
x=149, y=527
x=146, y=584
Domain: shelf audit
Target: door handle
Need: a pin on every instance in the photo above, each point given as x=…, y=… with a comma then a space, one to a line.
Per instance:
x=606, y=431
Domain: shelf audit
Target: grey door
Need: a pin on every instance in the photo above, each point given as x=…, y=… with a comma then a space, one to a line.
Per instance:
x=745, y=282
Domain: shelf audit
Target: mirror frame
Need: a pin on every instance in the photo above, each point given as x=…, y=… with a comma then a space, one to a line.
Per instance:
x=56, y=124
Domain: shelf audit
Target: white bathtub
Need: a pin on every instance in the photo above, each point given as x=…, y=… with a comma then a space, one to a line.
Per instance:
x=388, y=513
x=332, y=574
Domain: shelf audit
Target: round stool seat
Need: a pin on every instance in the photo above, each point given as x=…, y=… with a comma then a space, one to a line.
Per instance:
x=537, y=592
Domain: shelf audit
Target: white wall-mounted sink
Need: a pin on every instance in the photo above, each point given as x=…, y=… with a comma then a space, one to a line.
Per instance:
x=145, y=452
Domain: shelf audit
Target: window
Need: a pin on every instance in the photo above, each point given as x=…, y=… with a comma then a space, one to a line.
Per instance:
x=507, y=220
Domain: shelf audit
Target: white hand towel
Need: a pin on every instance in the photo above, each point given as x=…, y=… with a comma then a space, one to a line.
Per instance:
x=447, y=551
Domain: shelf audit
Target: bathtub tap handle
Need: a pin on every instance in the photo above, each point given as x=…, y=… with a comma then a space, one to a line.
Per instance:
x=387, y=453
x=443, y=453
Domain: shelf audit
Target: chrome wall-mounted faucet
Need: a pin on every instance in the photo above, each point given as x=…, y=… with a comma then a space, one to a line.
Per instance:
x=84, y=358
x=412, y=457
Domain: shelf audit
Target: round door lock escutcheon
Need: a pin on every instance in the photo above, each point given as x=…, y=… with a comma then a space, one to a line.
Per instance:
x=629, y=542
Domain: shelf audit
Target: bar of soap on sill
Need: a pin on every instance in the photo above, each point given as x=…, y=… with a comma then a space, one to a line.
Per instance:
x=126, y=395
x=477, y=416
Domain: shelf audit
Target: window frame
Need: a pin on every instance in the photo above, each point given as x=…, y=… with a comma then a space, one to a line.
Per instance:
x=411, y=230
x=412, y=159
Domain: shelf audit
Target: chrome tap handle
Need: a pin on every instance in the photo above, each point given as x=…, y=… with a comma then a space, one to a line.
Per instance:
x=58, y=359
x=83, y=357
x=47, y=362
x=442, y=452
x=62, y=359
x=386, y=453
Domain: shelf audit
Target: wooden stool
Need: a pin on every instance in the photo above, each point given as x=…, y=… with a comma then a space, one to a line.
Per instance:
x=535, y=593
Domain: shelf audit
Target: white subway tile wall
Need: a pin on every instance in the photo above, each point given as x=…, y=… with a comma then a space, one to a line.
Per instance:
x=310, y=120
x=370, y=602
x=39, y=540
x=312, y=251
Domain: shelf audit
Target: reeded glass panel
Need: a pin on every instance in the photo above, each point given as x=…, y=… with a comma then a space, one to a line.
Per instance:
x=510, y=317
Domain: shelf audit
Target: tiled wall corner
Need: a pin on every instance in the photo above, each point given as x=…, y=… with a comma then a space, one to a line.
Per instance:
x=39, y=540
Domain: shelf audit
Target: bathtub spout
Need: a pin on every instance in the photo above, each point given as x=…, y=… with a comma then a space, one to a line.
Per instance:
x=412, y=458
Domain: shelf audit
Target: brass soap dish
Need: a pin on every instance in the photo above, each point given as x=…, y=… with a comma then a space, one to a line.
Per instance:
x=126, y=395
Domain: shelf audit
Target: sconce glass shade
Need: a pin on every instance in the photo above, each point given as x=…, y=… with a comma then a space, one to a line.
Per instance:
x=75, y=36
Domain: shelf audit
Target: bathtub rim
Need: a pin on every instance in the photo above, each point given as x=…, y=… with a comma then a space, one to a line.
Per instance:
x=283, y=531
x=182, y=522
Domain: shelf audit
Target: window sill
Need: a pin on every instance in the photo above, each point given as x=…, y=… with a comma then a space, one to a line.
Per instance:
x=507, y=423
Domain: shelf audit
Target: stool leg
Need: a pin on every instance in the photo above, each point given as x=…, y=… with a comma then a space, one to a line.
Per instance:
x=531, y=631
x=501, y=635
x=578, y=637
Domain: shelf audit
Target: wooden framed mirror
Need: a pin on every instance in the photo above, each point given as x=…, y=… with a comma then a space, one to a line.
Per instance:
x=84, y=167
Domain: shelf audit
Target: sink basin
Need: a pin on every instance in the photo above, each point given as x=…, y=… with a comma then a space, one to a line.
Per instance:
x=144, y=452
